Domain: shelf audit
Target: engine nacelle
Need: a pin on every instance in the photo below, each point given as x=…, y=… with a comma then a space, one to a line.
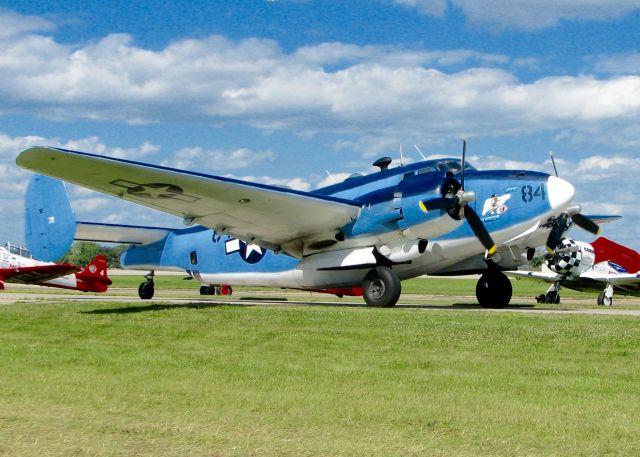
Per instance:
x=404, y=251
x=571, y=258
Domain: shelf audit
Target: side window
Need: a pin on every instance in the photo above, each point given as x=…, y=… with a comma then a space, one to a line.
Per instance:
x=193, y=256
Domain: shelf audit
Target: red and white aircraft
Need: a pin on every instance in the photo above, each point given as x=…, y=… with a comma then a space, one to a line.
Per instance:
x=603, y=266
x=17, y=266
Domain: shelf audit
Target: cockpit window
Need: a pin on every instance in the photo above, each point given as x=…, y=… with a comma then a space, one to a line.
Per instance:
x=17, y=250
x=452, y=165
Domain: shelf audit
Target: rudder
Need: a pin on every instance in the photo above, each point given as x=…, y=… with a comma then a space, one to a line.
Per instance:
x=94, y=277
x=50, y=223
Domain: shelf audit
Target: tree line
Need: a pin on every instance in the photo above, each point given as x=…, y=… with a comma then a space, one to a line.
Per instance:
x=83, y=252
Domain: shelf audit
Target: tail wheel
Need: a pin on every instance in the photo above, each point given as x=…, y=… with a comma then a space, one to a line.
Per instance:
x=146, y=290
x=381, y=288
x=493, y=290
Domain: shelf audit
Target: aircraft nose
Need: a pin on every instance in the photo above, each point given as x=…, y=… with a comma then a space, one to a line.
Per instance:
x=560, y=192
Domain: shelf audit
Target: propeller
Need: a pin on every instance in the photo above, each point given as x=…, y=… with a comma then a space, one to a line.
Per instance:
x=561, y=224
x=455, y=200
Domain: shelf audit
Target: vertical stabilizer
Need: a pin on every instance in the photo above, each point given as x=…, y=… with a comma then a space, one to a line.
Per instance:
x=50, y=224
x=93, y=277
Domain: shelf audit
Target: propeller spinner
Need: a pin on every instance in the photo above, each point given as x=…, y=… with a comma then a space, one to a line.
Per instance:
x=455, y=201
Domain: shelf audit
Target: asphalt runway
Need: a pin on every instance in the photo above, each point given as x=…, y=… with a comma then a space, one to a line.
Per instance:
x=32, y=294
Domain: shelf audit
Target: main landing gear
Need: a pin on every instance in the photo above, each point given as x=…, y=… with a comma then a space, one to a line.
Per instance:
x=216, y=290
x=381, y=288
x=493, y=289
x=605, y=297
x=552, y=295
x=147, y=289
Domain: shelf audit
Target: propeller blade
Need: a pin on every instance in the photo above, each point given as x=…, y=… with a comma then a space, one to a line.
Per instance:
x=553, y=161
x=585, y=223
x=556, y=233
x=438, y=203
x=464, y=156
x=479, y=229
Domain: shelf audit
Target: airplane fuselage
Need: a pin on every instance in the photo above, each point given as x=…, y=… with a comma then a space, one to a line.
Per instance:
x=392, y=226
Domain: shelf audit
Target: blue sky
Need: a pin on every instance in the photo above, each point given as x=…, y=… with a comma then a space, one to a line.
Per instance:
x=280, y=91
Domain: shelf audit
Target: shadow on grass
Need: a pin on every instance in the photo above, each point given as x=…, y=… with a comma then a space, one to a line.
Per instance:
x=162, y=307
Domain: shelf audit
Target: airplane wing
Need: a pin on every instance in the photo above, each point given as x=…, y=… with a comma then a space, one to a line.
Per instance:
x=262, y=214
x=38, y=273
x=541, y=275
x=620, y=279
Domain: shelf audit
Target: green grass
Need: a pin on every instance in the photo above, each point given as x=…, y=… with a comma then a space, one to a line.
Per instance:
x=98, y=379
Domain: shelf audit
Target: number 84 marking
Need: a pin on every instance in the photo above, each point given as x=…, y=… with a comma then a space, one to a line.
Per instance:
x=529, y=193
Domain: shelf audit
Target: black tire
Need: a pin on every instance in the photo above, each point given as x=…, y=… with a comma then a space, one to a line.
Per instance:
x=552, y=297
x=493, y=290
x=205, y=290
x=146, y=290
x=603, y=300
x=381, y=288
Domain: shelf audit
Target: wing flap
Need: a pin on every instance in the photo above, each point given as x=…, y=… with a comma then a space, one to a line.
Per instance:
x=249, y=211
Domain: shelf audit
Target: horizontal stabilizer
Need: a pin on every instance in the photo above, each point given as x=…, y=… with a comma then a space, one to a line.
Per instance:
x=115, y=233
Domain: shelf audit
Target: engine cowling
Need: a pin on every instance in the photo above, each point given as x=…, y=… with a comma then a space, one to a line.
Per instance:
x=571, y=258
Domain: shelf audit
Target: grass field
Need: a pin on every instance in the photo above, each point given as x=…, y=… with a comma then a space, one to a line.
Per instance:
x=105, y=379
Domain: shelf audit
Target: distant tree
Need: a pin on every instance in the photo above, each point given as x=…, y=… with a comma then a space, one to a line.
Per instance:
x=536, y=262
x=83, y=252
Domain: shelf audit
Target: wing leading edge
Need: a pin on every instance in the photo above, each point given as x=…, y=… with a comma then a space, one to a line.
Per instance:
x=267, y=215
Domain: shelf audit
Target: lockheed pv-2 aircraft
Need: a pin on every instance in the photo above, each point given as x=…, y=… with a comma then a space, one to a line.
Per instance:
x=362, y=236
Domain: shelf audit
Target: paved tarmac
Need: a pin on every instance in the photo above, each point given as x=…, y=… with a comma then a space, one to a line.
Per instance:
x=17, y=293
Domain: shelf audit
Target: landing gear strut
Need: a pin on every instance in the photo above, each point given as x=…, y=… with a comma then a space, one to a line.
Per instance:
x=146, y=288
x=493, y=289
x=606, y=296
x=381, y=288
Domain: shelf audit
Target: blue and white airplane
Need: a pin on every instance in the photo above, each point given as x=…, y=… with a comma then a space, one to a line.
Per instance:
x=358, y=237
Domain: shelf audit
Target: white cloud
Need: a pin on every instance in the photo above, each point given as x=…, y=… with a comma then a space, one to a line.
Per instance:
x=430, y=7
x=618, y=64
x=199, y=159
x=12, y=24
x=527, y=14
x=370, y=91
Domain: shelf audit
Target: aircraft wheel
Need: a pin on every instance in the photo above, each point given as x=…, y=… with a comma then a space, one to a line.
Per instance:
x=226, y=290
x=146, y=290
x=205, y=290
x=381, y=288
x=603, y=300
x=493, y=290
x=552, y=297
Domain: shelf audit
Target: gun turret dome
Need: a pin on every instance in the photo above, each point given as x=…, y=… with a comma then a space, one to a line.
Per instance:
x=382, y=163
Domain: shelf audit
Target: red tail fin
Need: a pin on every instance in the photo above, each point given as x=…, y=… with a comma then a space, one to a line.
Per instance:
x=616, y=253
x=93, y=277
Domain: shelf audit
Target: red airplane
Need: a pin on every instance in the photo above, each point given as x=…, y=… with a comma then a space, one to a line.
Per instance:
x=17, y=266
x=602, y=266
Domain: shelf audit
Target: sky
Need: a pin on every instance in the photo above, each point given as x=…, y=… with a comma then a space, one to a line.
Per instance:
x=286, y=92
